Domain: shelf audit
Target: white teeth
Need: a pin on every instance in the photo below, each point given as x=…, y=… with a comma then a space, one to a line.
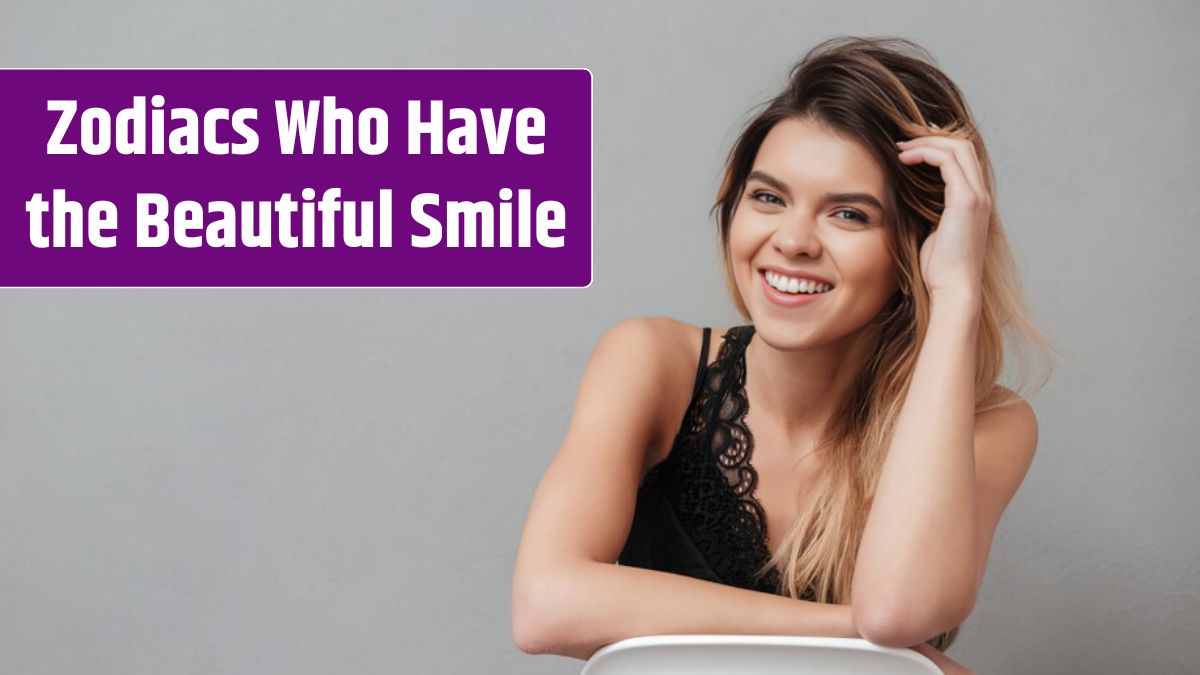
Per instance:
x=790, y=285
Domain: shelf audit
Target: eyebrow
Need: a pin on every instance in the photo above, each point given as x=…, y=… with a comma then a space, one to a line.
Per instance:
x=859, y=197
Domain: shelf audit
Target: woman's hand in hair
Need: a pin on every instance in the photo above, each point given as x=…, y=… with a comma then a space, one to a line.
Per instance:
x=952, y=256
x=944, y=663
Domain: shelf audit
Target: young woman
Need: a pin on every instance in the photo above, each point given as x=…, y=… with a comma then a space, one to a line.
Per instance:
x=838, y=465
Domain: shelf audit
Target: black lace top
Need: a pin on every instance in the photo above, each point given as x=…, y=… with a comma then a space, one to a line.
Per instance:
x=696, y=510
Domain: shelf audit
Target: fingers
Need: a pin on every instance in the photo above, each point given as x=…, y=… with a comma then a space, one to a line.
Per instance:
x=957, y=160
x=959, y=190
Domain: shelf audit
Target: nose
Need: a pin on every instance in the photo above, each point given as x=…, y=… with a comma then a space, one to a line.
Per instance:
x=798, y=236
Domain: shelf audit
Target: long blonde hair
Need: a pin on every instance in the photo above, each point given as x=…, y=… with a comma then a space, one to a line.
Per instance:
x=879, y=90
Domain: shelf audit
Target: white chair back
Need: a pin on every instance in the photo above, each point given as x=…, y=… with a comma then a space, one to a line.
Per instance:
x=754, y=655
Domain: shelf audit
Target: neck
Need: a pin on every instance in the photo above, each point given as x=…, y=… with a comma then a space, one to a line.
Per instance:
x=798, y=389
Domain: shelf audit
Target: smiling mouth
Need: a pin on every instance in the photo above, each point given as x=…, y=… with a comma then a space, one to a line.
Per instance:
x=790, y=300
x=793, y=286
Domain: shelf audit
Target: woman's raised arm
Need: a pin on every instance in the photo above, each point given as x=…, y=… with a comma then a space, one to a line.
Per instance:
x=568, y=597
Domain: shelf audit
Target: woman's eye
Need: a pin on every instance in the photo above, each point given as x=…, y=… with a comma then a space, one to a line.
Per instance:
x=756, y=196
x=854, y=215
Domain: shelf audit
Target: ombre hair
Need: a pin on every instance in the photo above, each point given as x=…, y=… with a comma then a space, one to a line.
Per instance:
x=879, y=90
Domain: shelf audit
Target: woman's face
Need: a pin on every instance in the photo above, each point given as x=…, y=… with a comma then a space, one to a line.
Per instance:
x=812, y=206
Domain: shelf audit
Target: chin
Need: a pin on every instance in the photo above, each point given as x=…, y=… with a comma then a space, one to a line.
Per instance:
x=784, y=334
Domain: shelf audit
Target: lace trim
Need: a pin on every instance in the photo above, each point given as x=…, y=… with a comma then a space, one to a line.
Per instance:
x=728, y=524
x=733, y=447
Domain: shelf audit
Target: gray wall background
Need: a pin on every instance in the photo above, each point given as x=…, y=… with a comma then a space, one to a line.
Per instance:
x=317, y=481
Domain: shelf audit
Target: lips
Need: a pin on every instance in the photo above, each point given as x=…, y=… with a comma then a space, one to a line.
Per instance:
x=795, y=274
x=782, y=299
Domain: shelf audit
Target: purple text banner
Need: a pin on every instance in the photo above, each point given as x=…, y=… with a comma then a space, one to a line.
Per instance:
x=296, y=178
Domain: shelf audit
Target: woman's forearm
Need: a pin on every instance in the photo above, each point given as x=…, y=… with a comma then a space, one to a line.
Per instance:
x=916, y=560
x=947, y=665
x=579, y=610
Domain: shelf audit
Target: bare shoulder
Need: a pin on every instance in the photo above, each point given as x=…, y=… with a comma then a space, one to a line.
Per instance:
x=680, y=343
x=662, y=338
x=677, y=338
x=1006, y=407
x=1003, y=399
x=1006, y=433
x=654, y=346
x=672, y=345
x=682, y=338
x=650, y=340
x=678, y=347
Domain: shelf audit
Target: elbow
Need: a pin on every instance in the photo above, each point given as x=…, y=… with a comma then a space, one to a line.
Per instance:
x=531, y=621
x=541, y=606
x=884, y=628
x=899, y=628
x=528, y=634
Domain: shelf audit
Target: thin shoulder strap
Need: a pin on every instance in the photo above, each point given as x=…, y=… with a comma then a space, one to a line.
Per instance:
x=700, y=369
